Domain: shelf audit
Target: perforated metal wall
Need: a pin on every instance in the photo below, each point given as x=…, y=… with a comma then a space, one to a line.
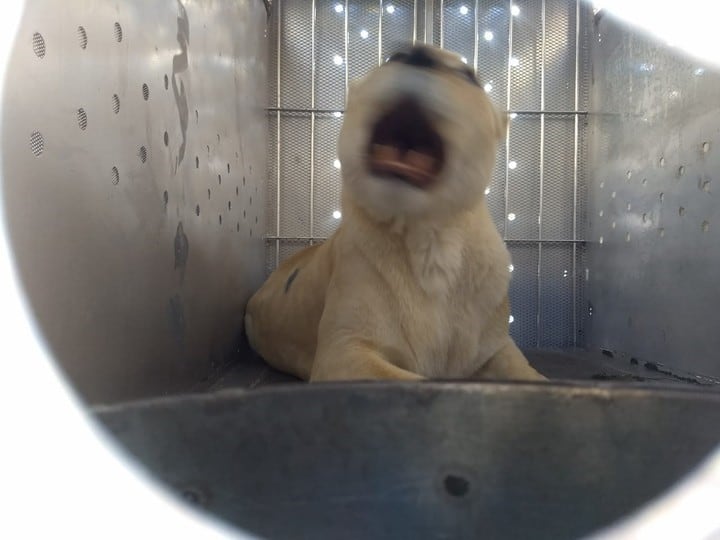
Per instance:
x=532, y=57
x=134, y=181
x=654, y=234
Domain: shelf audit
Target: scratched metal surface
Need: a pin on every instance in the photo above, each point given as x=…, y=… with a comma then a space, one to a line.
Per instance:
x=654, y=216
x=435, y=461
x=134, y=153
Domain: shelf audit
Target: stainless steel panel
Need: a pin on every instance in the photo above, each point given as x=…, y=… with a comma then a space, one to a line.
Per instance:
x=134, y=146
x=654, y=214
x=422, y=461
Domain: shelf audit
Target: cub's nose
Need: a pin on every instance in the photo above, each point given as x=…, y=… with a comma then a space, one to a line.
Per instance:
x=417, y=56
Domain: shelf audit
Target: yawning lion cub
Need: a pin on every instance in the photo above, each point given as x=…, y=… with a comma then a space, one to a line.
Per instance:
x=414, y=283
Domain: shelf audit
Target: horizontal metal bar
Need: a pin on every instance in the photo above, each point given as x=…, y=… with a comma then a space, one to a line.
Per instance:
x=304, y=111
x=506, y=240
x=342, y=111
x=550, y=113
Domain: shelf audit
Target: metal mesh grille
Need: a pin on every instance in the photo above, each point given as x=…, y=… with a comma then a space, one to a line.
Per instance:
x=558, y=193
x=560, y=31
x=493, y=34
x=295, y=164
x=555, y=301
x=398, y=25
x=495, y=193
x=326, y=195
x=295, y=53
x=458, y=30
x=523, y=200
x=271, y=215
x=532, y=58
x=526, y=56
x=274, y=32
x=524, y=294
x=363, y=37
x=330, y=54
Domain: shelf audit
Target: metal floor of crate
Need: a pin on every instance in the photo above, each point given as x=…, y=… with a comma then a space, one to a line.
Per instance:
x=576, y=365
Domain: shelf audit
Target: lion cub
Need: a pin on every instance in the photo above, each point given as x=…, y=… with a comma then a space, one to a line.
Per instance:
x=414, y=282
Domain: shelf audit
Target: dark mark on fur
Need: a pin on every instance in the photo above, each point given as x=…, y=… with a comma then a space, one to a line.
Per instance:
x=291, y=279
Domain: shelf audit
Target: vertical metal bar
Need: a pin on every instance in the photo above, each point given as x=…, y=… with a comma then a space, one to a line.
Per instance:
x=442, y=23
x=277, y=141
x=542, y=167
x=380, y=21
x=346, y=40
x=312, y=121
x=477, y=36
x=429, y=21
x=415, y=7
x=507, y=107
x=575, y=171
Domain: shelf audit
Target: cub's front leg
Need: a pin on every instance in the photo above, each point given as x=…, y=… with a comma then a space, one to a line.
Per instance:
x=508, y=363
x=357, y=335
x=354, y=358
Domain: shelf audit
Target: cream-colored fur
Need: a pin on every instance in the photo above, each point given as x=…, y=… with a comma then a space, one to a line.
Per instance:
x=414, y=282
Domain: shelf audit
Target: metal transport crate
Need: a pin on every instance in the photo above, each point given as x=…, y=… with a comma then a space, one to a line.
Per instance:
x=161, y=158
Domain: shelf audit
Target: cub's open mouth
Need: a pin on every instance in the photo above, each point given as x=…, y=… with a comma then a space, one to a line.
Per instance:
x=405, y=146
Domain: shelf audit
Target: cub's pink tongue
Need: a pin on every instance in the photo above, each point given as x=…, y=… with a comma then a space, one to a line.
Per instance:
x=413, y=167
